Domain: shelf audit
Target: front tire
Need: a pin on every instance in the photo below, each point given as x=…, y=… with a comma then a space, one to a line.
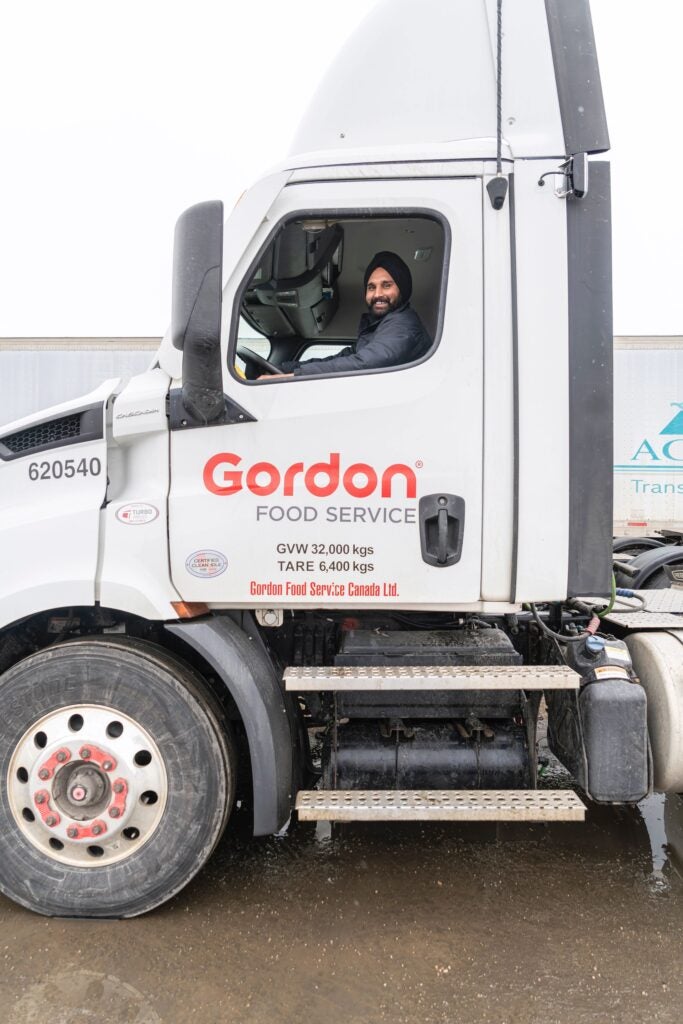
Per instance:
x=116, y=778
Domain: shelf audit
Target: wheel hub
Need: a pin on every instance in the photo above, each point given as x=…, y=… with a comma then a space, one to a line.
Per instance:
x=81, y=791
x=87, y=784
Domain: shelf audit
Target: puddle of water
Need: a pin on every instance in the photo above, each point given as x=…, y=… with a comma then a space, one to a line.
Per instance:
x=662, y=814
x=652, y=812
x=82, y=997
x=403, y=922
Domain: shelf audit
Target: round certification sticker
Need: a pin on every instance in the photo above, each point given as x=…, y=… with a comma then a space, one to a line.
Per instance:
x=206, y=564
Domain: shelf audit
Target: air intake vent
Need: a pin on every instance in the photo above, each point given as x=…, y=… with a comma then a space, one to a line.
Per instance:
x=49, y=433
x=83, y=425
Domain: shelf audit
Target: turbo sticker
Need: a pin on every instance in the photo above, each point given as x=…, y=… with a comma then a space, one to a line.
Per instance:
x=137, y=514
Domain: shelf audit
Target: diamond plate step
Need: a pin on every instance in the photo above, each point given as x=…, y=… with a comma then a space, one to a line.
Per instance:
x=663, y=610
x=440, y=805
x=432, y=677
x=644, y=620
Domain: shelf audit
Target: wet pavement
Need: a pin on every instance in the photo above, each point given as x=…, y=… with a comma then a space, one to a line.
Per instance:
x=540, y=924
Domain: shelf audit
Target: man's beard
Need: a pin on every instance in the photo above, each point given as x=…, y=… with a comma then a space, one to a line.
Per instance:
x=387, y=306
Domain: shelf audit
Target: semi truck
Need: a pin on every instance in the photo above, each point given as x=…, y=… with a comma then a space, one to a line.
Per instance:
x=209, y=563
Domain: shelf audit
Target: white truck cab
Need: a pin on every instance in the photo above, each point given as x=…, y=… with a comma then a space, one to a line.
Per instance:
x=214, y=560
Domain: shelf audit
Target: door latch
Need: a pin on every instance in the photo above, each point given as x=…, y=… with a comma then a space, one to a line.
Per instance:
x=442, y=524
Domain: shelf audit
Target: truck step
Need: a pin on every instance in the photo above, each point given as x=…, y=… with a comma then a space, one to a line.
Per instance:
x=431, y=677
x=439, y=805
x=663, y=610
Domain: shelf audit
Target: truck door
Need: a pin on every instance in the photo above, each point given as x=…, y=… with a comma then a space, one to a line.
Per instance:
x=344, y=490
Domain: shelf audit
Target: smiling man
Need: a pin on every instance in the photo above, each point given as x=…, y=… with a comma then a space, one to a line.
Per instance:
x=389, y=334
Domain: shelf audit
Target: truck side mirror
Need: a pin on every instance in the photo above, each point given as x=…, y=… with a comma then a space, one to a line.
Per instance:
x=196, y=307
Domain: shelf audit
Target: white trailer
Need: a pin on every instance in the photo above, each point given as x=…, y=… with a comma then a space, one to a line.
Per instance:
x=648, y=459
x=648, y=435
x=206, y=561
x=36, y=373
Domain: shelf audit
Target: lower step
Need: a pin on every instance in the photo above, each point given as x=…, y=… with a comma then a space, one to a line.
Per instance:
x=439, y=805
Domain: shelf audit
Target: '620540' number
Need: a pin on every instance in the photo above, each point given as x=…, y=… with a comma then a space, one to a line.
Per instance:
x=68, y=469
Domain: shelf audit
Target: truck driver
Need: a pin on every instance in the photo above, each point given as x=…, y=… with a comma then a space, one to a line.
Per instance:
x=389, y=334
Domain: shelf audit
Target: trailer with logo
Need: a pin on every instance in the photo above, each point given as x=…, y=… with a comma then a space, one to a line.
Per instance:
x=209, y=563
x=648, y=460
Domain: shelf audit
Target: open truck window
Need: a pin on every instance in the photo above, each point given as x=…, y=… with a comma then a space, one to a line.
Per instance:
x=250, y=339
x=304, y=299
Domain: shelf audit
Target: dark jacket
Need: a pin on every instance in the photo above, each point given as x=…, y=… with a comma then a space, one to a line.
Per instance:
x=395, y=338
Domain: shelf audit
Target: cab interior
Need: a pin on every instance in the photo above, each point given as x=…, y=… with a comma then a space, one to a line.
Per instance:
x=305, y=297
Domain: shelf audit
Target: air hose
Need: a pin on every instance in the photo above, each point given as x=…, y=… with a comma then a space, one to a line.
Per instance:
x=590, y=629
x=613, y=597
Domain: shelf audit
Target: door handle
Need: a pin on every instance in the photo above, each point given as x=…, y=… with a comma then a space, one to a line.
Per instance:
x=442, y=525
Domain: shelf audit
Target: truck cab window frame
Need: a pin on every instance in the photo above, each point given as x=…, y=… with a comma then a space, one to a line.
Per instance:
x=394, y=230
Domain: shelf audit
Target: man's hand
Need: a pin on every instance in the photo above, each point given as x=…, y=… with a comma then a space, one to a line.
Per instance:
x=274, y=376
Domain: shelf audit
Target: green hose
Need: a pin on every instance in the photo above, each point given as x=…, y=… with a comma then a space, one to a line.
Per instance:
x=610, y=606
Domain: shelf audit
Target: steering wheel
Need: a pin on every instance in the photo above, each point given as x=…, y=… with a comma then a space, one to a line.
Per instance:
x=253, y=357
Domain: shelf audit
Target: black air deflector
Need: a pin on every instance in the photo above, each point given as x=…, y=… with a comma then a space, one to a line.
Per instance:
x=591, y=410
x=577, y=75
x=74, y=428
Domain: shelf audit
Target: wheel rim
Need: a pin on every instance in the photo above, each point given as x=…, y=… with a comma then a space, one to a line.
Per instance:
x=87, y=785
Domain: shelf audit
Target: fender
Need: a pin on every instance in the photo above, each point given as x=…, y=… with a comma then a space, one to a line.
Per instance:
x=648, y=563
x=636, y=544
x=245, y=670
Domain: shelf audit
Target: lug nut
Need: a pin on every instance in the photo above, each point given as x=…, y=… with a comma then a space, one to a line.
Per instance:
x=72, y=832
x=114, y=812
x=43, y=773
x=118, y=787
x=107, y=765
x=60, y=756
x=85, y=753
x=96, y=829
x=40, y=798
x=50, y=820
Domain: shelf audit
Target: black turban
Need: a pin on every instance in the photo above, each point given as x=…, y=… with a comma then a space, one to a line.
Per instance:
x=394, y=266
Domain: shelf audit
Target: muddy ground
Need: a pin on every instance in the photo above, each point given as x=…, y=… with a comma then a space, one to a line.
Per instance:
x=540, y=924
